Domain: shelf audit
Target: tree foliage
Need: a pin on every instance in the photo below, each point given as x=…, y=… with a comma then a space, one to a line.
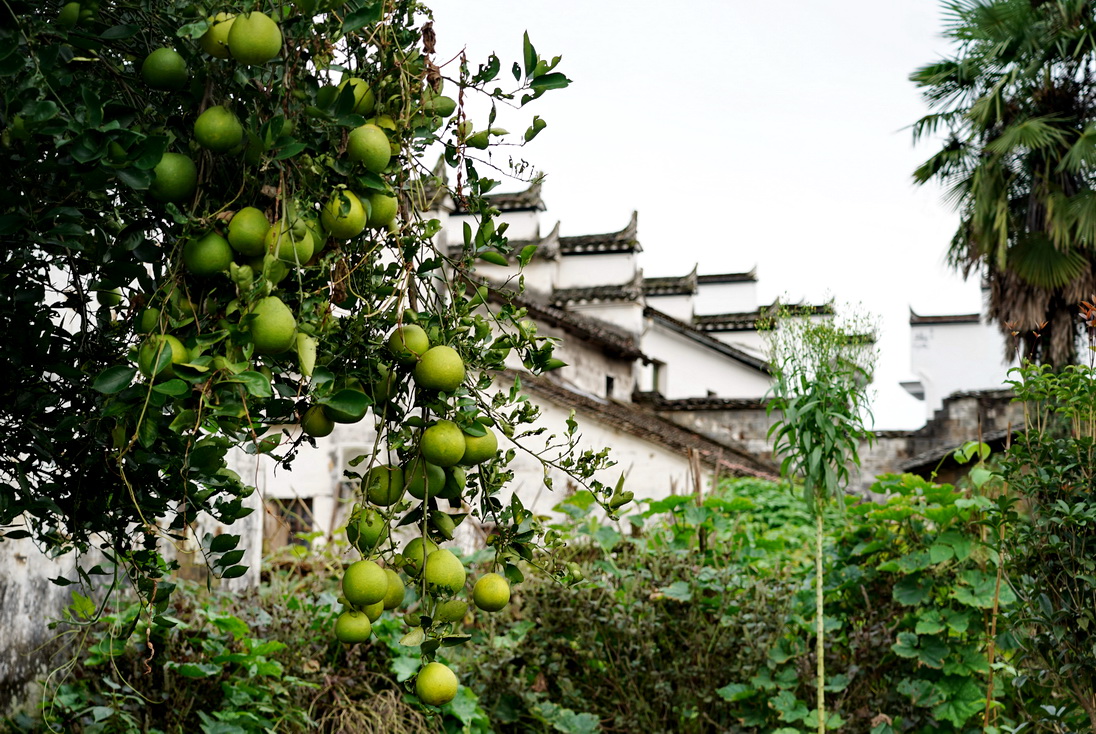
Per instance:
x=109, y=447
x=1015, y=107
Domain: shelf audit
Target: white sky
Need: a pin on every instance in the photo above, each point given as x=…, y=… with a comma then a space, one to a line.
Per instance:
x=746, y=134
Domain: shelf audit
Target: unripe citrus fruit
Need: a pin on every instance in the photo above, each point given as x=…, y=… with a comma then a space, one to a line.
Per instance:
x=288, y=245
x=254, y=39
x=207, y=255
x=218, y=129
x=440, y=368
x=69, y=15
x=363, y=95
x=343, y=216
x=436, y=684
x=452, y=610
x=491, y=592
x=444, y=572
x=364, y=583
x=315, y=422
x=407, y=343
x=273, y=330
x=384, y=387
x=442, y=443
x=414, y=553
x=394, y=596
x=423, y=479
x=109, y=297
x=352, y=627
x=148, y=356
x=164, y=69
x=367, y=529
x=374, y=611
x=369, y=146
x=478, y=449
x=247, y=231
x=384, y=485
x=148, y=321
x=215, y=40
x=382, y=210
x=175, y=178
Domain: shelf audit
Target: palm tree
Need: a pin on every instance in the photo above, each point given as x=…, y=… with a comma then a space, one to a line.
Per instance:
x=1016, y=106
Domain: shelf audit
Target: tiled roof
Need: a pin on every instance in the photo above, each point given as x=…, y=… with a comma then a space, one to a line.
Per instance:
x=647, y=425
x=931, y=458
x=657, y=402
x=613, y=340
x=598, y=244
x=700, y=337
x=750, y=277
x=631, y=291
x=527, y=200
x=965, y=318
x=744, y=321
x=684, y=285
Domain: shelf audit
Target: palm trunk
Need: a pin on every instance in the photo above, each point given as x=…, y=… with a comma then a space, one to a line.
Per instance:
x=820, y=624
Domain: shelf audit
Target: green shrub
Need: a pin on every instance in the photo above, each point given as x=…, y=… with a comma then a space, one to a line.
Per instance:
x=702, y=619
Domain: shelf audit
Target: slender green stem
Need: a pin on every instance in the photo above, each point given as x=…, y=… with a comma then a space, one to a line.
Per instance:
x=820, y=623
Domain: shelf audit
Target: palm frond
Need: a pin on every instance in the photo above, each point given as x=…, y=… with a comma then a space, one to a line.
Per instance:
x=1034, y=133
x=951, y=159
x=1082, y=213
x=1082, y=154
x=1039, y=263
x=930, y=124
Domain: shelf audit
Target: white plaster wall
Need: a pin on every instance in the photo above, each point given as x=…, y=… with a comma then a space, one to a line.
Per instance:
x=625, y=314
x=693, y=370
x=755, y=342
x=678, y=306
x=947, y=358
x=582, y=271
x=713, y=298
x=523, y=225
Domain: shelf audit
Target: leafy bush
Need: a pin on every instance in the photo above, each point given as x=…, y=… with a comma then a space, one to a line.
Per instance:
x=261, y=661
x=701, y=620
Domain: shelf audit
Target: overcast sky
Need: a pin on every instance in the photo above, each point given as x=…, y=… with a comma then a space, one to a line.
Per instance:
x=746, y=134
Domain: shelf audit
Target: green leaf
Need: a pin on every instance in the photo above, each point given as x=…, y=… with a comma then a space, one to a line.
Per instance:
x=113, y=379
x=414, y=638
x=735, y=692
x=678, y=590
x=911, y=590
x=978, y=590
x=529, y=55
x=82, y=606
x=119, y=32
x=495, y=258
x=174, y=388
x=371, y=12
x=194, y=670
x=790, y=708
x=256, y=383
x=223, y=542
x=963, y=698
x=906, y=646
x=555, y=80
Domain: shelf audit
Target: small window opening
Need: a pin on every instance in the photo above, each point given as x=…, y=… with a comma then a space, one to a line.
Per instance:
x=609, y=386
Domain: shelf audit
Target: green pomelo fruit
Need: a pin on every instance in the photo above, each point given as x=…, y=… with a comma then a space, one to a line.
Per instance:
x=369, y=146
x=364, y=583
x=452, y=610
x=407, y=343
x=444, y=573
x=247, y=231
x=491, y=592
x=382, y=210
x=288, y=245
x=69, y=15
x=440, y=368
x=352, y=627
x=315, y=422
x=175, y=178
x=215, y=40
x=164, y=69
x=343, y=216
x=423, y=479
x=394, y=596
x=442, y=444
x=478, y=449
x=218, y=129
x=374, y=611
x=384, y=387
x=273, y=330
x=414, y=553
x=384, y=485
x=363, y=95
x=207, y=255
x=254, y=39
x=148, y=321
x=149, y=355
x=436, y=684
x=368, y=528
